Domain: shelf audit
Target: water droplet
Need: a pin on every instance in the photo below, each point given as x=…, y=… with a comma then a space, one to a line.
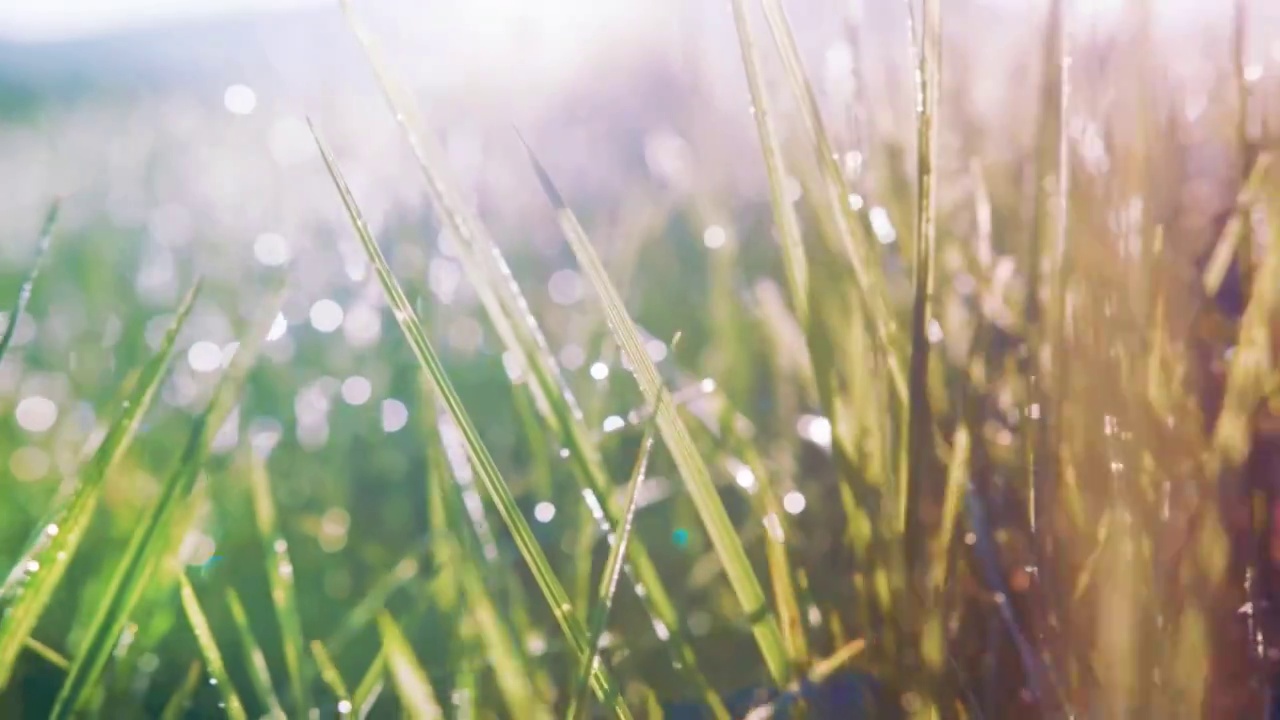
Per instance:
x=794, y=502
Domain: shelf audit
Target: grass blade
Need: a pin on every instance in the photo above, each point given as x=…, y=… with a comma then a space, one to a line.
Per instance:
x=849, y=230
x=784, y=212
x=1252, y=365
x=919, y=418
x=483, y=463
x=692, y=468
x=468, y=599
x=818, y=674
x=508, y=311
x=331, y=675
x=24, y=291
x=411, y=682
x=280, y=579
x=176, y=707
x=371, y=685
x=209, y=649
x=42, y=565
x=1230, y=242
x=609, y=579
x=140, y=557
x=53, y=657
x=259, y=673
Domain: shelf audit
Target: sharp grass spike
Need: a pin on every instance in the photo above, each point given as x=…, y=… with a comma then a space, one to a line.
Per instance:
x=28, y=283
x=692, y=468
x=609, y=579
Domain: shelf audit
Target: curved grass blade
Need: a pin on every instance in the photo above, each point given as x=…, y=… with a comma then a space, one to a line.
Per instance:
x=609, y=579
x=692, y=468
x=24, y=292
x=485, y=468
x=331, y=676
x=412, y=684
x=280, y=579
x=209, y=649
x=150, y=537
x=255, y=661
x=508, y=311
x=176, y=706
x=42, y=565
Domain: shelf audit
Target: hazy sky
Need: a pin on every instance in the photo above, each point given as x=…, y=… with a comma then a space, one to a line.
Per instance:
x=61, y=19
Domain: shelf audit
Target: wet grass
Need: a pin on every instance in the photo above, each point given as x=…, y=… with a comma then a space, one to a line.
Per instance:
x=935, y=421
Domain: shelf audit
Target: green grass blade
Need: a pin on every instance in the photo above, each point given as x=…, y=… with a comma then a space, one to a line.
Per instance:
x=485, y=468
x=609, y=579
x=371, y=685
x=280, y=579
x=784, y=212
x=408, y=569
x=416, y=694
x=42, y=565
x=149, y=539
x=175, y=708
x=692, y=468
x=919, y=445
x=508, y=311
x=53, y=657
x=254, y=659
x=209, y=650
x=24, y=291
x=849, y=230
x=330, y=674
x=467, y=597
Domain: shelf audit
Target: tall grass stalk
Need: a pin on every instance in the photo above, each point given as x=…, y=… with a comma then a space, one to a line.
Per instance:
x=691, y=466
x=485, y=468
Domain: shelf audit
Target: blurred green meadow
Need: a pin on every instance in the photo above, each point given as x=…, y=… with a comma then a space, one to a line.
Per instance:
x=836, y=360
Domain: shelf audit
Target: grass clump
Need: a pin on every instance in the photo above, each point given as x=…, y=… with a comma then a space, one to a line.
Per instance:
x=952, y=429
